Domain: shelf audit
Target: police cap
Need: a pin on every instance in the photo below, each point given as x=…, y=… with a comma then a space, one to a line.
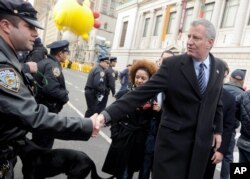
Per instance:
x=238, y=74
x=60, y=45
x=103, y=58
x=113, y=59
x=22, y=9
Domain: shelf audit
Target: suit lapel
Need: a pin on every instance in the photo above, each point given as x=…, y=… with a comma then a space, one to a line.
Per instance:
x=189, y=73
x=187, y=69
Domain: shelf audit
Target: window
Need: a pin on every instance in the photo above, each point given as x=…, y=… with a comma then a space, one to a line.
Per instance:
x=170, y=28
x=157, y=25
x=145, y=30
x=230, y=13
x=188, y=19
x=124, y=32
x=209, y=11
x=112, y=8
x=105, y=5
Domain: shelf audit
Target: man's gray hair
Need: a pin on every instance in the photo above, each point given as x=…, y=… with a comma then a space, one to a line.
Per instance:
x=210, y=29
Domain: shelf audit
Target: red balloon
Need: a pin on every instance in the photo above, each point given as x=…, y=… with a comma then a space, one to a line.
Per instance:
x=97, y=24
x=96, y=14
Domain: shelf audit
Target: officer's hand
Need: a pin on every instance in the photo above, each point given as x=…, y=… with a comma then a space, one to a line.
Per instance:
x=32, y=66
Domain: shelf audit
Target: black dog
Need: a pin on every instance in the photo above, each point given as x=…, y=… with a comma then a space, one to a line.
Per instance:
x=39, y=163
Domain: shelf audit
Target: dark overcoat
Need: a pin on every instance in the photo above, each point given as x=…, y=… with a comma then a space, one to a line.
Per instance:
x=189, y=119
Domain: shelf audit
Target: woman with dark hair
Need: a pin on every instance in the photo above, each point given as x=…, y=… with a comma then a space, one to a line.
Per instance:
x=133, y=137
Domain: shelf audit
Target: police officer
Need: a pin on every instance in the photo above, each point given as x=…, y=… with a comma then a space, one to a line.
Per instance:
x=96, y=86
x=111, y=77
x=19, y=111
x=29, y=59
x=51, y=89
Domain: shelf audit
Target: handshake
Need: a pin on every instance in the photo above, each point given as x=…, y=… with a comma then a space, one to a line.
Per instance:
x=98, y=122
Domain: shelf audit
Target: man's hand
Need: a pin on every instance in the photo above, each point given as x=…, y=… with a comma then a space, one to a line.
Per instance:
x=98, y=122
x=216, y=141
x=217, y=157
x=32, y=66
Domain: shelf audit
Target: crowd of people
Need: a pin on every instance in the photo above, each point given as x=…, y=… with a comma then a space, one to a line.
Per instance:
x=183, y=115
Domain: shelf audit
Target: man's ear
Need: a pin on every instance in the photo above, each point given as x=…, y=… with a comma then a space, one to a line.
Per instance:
x=210, y=43
x=5, y=26
x=58, y=54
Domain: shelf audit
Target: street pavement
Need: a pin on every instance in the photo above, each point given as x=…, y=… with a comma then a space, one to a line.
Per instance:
x=97, y=147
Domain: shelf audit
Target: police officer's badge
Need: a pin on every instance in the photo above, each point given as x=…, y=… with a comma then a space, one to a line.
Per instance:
x=113, y=74
x=102, y=74
x=56, y=72
x=9, y=79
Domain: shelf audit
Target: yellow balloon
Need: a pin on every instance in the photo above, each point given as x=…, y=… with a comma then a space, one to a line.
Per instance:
x=70, y=15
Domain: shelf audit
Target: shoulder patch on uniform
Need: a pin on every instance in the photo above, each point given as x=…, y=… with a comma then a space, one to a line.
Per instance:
x=9, y=79
x=102, y=74
x=56, y=72
x=113, y=74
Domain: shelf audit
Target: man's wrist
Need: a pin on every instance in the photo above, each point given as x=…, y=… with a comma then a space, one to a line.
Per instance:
x=107, y=118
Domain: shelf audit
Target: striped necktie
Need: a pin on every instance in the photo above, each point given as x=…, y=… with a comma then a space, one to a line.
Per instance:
x=202, y=78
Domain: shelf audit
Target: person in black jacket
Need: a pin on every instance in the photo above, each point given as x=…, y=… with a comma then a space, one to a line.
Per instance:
x=51, y=89
x=38, y=53
x=29, y=59
x=96, y=86
x=133, y=138
x=234, y=87
x=243, y=116
x=19, y=111
x=229, y=112
x=110, y=76
x=229, y=108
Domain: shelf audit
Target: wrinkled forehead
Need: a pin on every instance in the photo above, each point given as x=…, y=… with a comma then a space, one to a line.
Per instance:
x=198, y=31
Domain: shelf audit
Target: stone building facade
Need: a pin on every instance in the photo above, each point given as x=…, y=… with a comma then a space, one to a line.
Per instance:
x=145, y=28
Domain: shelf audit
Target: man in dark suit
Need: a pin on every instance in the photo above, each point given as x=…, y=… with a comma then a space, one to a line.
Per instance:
x=192, y=110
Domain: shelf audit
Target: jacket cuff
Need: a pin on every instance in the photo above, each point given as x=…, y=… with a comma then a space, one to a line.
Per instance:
x=107, y=117
x=88, y=128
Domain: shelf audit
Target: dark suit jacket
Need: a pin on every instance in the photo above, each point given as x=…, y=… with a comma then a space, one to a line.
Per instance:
x=189, y=120
x=229, y=108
